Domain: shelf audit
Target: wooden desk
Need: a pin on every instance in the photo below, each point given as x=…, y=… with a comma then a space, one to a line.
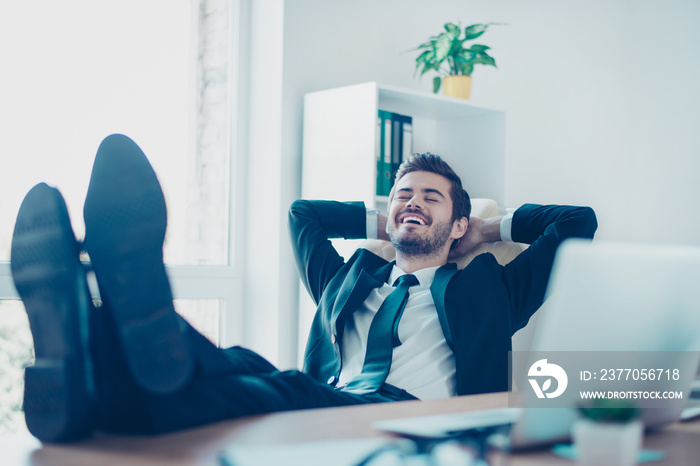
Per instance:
x=681, y=442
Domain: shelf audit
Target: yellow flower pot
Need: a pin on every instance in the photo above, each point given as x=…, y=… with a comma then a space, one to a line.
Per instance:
x=457, y=86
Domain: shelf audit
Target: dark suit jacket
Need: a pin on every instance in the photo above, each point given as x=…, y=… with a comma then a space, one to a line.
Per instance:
x=479, y=307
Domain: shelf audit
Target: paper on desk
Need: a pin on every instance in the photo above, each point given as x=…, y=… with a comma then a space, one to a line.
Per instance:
x=443, y=425
x=337, y=452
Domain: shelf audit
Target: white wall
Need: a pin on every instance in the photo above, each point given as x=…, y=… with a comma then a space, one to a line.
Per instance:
x=600, y=98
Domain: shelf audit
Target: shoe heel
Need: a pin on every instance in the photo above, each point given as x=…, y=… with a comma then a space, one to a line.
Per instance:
x=55, y=411
x=160, y=338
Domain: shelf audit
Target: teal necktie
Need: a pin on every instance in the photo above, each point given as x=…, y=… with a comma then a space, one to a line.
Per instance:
x=380, y=340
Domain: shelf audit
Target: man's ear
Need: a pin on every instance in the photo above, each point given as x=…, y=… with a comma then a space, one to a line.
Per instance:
x=459, y=227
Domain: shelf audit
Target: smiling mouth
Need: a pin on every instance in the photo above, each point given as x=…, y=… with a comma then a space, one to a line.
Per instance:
x=412, y=220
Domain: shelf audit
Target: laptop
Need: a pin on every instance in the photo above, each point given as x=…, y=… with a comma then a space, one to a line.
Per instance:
x=604, y=296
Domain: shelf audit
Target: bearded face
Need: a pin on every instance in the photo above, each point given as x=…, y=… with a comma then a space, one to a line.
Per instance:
x=420, y=222
x=420, y=243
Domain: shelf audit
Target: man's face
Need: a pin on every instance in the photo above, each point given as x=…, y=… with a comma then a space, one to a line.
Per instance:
x=420, y=214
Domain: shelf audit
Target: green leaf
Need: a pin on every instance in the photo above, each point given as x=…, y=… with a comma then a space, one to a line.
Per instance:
x=452, y=29
x=425, y=45
x=447, y=54
x=466, y=56
x=442, y=46
x=437, y=81
x=425, y=57
x=474, y=31
x=484, y=59
x=606, y=410
x=430, y=67
x=425, y=61
x=465, y=68
x=479, y=48
x=456, y=47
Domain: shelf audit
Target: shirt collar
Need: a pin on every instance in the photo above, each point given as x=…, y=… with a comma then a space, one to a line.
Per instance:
x=424, y=276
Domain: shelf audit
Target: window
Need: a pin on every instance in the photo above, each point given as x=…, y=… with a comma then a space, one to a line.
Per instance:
x=158, y=71
x=15, y=354
x=82, y=70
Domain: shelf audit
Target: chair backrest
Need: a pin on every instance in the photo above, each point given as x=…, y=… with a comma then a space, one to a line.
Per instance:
x=482, y=208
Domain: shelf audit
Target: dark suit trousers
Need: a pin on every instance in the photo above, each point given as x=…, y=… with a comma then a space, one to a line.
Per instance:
x=227, y=384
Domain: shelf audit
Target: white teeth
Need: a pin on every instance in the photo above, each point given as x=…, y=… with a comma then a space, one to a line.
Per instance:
x=415, y=219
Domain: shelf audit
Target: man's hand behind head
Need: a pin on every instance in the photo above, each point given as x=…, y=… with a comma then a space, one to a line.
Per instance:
x=478, y=231
x=471, y=239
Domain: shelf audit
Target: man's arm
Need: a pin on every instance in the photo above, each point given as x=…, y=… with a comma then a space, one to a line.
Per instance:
x=381, y=228
x=544, y=228
x=478, y=231
x=311, y=224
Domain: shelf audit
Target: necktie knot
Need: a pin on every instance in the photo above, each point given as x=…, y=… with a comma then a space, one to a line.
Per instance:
x=407, y=280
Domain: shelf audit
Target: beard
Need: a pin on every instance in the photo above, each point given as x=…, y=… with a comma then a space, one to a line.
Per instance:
x=414, y=244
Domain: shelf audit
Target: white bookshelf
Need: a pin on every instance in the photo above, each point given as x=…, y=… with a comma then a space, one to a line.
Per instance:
x=339, y=160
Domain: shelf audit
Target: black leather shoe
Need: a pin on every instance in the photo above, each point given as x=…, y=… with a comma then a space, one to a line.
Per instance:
x=125, y=221
x=59, y=389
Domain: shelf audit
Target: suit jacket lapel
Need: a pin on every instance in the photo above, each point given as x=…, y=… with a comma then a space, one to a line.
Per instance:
x=354, y=292
x=438, y=289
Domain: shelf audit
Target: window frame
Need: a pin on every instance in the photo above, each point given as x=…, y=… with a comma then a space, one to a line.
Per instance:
x=187, y=282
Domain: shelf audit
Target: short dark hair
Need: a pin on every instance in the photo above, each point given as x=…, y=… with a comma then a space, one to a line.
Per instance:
x=461, y=205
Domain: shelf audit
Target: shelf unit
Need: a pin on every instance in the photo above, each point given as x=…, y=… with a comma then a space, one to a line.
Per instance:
x=340, y=130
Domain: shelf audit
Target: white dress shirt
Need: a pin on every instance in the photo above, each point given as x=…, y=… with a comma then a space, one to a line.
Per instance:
x=423, y=364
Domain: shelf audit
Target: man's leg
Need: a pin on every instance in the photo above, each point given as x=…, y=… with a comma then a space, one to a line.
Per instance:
x=81, y=380
x=207, y=400
x=226, y=384
x=125, y=225
x=125, y=407
x=153, y=372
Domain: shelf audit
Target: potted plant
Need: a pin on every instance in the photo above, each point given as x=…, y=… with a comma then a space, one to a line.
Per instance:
x=608, y=434
x=448, y=55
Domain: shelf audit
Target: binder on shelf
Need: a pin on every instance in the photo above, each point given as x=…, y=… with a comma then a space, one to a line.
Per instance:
x=379, y=153
x=407, y=137
x=402, y=141
x=394, y=145
x=388, y=180
x=384, y=153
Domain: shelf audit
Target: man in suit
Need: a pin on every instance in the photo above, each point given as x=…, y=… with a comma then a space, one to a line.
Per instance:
x=416, y=328
x=470, y=314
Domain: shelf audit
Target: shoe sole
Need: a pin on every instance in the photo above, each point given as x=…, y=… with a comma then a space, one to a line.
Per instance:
x=48, y=275
x=125, y=222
